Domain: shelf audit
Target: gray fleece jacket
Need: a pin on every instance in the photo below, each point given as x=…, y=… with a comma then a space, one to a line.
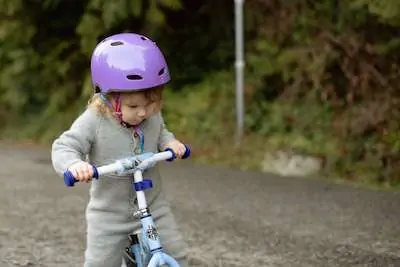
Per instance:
x=101, y=140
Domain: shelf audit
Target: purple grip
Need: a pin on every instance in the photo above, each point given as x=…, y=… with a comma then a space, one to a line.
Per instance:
x=69, y=178
x=185, y=155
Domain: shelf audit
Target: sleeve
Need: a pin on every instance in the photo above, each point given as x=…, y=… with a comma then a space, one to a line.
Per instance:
x=74, y=144
x=165, y=135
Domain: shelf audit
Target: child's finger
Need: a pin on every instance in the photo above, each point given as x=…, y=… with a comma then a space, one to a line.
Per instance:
x=182, y=149
x=180, y=153
x=81, y=174
x=90, y=170
x=87, y=174
x=75, y=173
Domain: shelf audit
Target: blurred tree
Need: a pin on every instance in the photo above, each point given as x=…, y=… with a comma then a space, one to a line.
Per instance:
x=338, y=56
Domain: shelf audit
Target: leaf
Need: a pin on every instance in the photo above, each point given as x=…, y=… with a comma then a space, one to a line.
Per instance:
x=136, y=7
x=10, y=8
x=89, y=28
x=387, y=10
x=171, y=4
x=154, y=15
x=114, y=12
x=87, y=88
x=96, y=4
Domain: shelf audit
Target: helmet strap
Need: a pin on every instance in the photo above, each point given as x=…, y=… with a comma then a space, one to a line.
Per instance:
x=116, y=108
x=138, y=133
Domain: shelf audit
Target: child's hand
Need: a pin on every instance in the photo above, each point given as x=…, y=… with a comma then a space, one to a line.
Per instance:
x=82, y=171
x=176, y=146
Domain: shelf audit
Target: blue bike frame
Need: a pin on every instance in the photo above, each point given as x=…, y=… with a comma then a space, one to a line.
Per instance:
x=150, y=245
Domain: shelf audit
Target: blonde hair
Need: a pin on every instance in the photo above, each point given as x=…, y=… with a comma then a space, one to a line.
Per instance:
x=154, y=95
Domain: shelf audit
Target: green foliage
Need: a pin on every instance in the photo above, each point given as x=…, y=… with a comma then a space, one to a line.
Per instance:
x=340, y=62
x=210, y=102
x=387, y=10
x=45, y=48
x=321, y=77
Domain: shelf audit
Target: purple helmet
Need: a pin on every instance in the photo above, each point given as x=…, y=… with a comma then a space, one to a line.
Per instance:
x=127, y=62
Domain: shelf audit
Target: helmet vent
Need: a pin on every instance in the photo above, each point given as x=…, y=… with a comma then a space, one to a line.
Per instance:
x=161, y=72
x=134, y=77
x=143, y=38
x=117, y=43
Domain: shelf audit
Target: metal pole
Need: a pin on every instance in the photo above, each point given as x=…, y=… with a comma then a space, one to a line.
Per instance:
x=239, y=66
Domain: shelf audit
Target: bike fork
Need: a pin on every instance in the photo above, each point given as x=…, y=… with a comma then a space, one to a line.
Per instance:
x=133, y=252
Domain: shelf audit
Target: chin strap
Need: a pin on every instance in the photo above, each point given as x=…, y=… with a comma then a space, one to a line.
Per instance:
x=137, y=132
x=117, y=108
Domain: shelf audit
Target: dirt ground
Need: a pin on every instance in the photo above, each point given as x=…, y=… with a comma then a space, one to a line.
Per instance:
x=229, y=218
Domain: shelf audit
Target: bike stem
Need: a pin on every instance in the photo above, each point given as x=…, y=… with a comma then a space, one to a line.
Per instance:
x=146, y=220
x=141, y=198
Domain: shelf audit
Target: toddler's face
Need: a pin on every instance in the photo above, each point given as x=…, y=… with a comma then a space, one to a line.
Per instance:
x=136, y=107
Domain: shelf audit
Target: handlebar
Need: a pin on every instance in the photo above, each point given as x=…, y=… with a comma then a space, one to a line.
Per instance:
x=142, y=161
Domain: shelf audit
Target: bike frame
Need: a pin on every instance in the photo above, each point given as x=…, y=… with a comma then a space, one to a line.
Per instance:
x=149, y=234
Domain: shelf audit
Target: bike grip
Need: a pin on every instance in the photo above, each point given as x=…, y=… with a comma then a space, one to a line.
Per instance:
x=70, y=180
x=185, y=155
x=187, y=152
x=173, y=154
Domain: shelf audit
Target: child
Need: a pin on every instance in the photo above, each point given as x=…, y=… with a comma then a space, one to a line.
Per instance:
x=123, y=117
